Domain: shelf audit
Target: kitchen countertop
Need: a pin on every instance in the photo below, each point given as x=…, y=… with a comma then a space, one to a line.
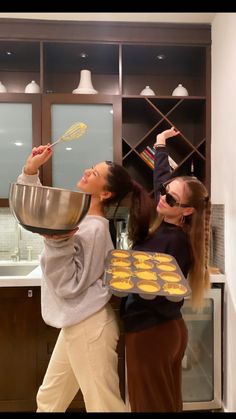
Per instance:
x=33, y=279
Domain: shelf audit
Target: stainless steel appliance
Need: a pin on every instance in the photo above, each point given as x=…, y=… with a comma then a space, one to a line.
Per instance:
x=202, y=363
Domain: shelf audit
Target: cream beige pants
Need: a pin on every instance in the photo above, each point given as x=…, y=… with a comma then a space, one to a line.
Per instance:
x=84, y=358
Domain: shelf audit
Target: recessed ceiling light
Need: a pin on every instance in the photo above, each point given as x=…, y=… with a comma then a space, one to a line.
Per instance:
x=9, y=53
x=19, y=144
x=68, y=148
x=83, y=55
x=161, y=56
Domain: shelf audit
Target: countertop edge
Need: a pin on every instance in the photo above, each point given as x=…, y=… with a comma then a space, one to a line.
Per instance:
x=34, y=280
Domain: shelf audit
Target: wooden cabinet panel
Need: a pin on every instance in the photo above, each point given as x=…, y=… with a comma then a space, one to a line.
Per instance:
x=26, y=346
x=19, y=311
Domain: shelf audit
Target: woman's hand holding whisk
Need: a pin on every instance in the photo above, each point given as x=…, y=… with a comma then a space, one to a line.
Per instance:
x=37, y=158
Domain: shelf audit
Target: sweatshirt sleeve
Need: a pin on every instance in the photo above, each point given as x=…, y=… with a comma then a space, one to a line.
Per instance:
x=24, y=179
x=71, y=266
x=162, y=170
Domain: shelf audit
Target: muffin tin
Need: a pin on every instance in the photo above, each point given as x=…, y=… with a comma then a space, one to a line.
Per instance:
x=145, y=273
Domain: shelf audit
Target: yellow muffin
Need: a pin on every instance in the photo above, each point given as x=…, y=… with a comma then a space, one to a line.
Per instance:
x=120, y=253
x=174, y=289
x=149, y=275
x=168, y=267
x=120, y=262
x=148, y=286
x=162, y=257
x=121, y=284
x=143, y=265
x=120, y=272
x=170, y=276
x=141, y=256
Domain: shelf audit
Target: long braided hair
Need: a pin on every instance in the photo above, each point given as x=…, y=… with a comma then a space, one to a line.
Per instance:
x=197, y=227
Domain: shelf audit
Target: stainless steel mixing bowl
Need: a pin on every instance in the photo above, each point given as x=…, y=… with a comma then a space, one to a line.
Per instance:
x=47, y=210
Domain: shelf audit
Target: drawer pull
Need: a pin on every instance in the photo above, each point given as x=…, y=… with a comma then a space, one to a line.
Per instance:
x=30, y=293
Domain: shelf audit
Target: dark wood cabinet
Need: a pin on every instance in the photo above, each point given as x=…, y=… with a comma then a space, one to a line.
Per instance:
x=26, y=346
x=144, y=118
x=123, y=59
x=19, y=314
x=163, y=68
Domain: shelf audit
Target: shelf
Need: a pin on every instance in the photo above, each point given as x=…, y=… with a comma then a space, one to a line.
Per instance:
x=63, y=63
x=143, y=118
x=19, y=64
x=180, y=64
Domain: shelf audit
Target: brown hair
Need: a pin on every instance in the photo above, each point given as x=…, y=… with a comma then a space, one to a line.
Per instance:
x=141, y=206
x=197, y=227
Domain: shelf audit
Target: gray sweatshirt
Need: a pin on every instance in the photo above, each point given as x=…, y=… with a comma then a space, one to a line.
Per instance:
x=72, y=270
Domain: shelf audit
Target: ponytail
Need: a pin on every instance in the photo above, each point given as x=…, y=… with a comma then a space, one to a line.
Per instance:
x=142, y=212
x=141, y=206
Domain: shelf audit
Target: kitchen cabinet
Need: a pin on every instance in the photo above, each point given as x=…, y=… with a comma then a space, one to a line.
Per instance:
x=19, y=63
x=63, y=62
x=20, y=113
x=20, y=122
x=123, y=59
x=26, y=346
x=100, y=141
x=19, y=313
x=143, y=117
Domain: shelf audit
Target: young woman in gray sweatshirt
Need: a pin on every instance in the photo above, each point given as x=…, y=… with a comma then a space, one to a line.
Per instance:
x=72, y=296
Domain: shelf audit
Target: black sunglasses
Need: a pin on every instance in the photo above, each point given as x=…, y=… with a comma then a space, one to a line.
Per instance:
x=171, y=201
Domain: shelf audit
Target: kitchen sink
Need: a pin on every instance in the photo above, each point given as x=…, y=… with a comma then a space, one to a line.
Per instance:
x=17, y=269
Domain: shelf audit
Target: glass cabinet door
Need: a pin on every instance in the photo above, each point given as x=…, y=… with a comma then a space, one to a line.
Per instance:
x=201, y=366
x=98, y=143
x=71, y=158
x=20, y=129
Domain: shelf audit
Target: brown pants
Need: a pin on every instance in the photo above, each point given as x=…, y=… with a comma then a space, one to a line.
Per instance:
x=154, y=371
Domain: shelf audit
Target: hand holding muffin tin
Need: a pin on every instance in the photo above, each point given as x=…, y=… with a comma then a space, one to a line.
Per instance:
x=145, y=273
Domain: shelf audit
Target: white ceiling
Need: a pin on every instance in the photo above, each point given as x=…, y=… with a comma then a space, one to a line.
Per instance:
x=118, y=17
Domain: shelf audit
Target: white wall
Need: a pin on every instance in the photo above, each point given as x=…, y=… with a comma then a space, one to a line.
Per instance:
x=223, y=161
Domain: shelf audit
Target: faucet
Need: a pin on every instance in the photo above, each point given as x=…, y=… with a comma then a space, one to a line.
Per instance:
x=29, y=248
x=16, y=255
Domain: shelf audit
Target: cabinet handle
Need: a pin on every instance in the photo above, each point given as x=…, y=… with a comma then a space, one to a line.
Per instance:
x=30, y=293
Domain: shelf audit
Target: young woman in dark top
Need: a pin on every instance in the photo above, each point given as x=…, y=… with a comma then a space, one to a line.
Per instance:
x=155, y=332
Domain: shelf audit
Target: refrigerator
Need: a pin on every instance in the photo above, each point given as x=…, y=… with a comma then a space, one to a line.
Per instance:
x=202, y=362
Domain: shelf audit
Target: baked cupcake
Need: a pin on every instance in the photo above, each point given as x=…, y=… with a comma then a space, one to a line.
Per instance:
x=162, y=257
x=170, y=276
x=143, y=265
x=148, y=286
x=141, y=256
x=174, y=289
x=120, y=253
x=124, y=263
x=146, y=274
x=118, y=272
x=121, y=284
x=168, y=267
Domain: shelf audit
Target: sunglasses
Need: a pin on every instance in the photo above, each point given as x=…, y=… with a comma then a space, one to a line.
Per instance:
x=171, y=201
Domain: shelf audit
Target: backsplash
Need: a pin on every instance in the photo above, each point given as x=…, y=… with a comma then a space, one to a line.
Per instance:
x=14, y=237
x=217, y=254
